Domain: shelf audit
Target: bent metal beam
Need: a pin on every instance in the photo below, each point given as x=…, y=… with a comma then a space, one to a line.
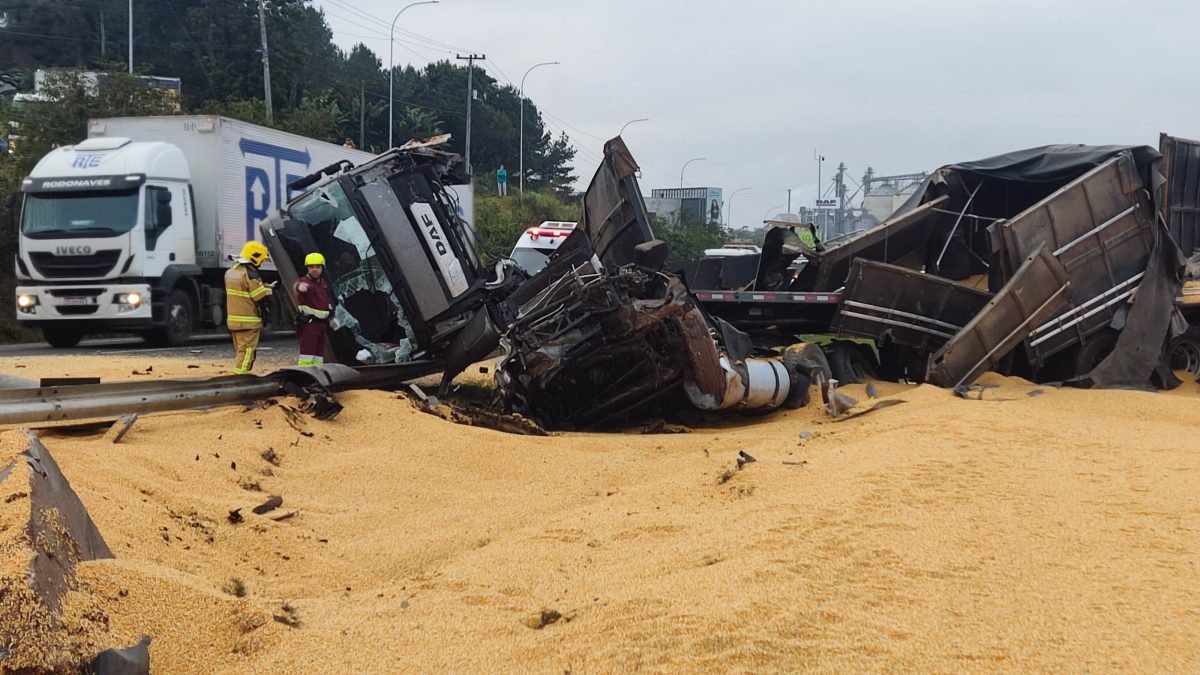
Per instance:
x=92, y=401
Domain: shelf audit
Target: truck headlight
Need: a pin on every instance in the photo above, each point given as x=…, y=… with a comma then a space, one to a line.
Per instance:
x=127, y=302
x=26, y=301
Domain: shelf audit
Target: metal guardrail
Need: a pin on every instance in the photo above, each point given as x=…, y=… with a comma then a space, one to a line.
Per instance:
x=92, y=401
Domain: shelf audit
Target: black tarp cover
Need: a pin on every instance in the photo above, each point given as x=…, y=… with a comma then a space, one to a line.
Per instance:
x=1045, y=164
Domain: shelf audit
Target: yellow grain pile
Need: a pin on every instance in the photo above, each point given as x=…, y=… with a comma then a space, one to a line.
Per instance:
x=41, y=626
x=1036, y=529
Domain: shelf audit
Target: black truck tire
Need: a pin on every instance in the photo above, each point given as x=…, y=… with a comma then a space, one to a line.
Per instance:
x=62, y=338
x=1185, y=351
x=179, y=321
x=1089, y=354
x=851, y=362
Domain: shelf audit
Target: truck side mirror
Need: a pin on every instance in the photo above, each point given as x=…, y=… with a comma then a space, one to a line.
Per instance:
x=162, y=210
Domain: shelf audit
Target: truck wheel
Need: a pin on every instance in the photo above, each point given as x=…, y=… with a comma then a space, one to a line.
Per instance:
x=179, y=321
x=1185, y=351
x=1091, y=353
x=62, y=338
x=851, y=363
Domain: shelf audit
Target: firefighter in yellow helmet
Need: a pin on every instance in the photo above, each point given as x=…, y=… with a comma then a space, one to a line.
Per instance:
x=244, y=291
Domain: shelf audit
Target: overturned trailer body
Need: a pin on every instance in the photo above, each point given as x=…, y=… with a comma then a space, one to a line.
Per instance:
x=1080, y=271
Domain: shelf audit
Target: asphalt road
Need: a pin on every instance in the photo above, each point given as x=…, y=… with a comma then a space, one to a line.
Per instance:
x=279, y=347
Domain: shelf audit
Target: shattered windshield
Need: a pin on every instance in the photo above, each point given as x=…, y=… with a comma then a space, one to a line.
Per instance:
x=365, y=303
x=79, y=214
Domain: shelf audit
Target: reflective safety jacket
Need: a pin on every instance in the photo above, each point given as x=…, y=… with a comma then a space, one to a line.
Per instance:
x=313, y=298
x=244, y=289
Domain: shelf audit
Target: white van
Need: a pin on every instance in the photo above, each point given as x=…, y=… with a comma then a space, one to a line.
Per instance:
x=533, y=249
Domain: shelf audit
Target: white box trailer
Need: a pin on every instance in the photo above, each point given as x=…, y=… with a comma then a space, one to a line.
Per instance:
x=132, y=229
x=239, y=172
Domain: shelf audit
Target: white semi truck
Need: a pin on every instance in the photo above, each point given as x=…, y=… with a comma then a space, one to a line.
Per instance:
x=133, y=229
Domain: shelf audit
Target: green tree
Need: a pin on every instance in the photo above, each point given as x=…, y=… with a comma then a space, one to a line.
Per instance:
x=321, y=117
x=500, y=221
x=417, y=123
x=689, y=236
x=73, y=99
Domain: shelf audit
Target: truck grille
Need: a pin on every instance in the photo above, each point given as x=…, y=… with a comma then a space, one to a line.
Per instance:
x=53, y=266
x=76, y=310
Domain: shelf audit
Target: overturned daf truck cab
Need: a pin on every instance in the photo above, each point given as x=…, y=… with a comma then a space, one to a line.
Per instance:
x=601, y=335
x=401, y=262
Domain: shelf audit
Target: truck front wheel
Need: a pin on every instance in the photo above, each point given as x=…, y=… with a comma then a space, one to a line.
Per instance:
x=1185, y=351
x=178, y=327
x=62, y=338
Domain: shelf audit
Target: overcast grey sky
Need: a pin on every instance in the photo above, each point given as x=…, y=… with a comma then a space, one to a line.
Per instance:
x=756, y=86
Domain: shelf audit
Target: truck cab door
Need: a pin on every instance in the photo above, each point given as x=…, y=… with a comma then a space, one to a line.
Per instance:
x=169, y=233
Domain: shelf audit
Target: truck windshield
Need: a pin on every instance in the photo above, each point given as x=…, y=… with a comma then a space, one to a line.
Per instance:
x=366, y=303
x=532, y=260
x=79, y=214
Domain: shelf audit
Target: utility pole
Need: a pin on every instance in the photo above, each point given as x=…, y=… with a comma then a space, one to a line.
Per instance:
x=130, y=37
x=103, y=42
x=470, y=59
x=362, y=114
x=262, y=24
x=789, y=200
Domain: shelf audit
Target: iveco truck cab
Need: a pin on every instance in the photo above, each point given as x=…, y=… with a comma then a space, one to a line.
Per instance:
x=106, y=231
x=132, y=230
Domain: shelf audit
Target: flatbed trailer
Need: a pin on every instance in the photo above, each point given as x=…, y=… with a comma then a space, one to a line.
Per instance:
x=772, y=311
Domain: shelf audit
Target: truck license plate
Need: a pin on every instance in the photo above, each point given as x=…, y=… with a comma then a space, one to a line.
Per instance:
x=77, y=301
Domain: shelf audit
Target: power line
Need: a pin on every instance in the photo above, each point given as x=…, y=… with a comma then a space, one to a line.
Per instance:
x=429, y=42
x=564, y=123
x=379, y=35
x=500, y=72
x=77, y=38
x=73, y=38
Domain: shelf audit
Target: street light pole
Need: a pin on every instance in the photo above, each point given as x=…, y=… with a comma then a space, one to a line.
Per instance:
x=521, y=152
x=685, y=166
x=392, y=63
x=819, y=158
x=640, y=119
x=729, y=207
x=130, y=37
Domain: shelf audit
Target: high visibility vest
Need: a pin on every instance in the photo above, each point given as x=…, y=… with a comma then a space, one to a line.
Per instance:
x=806, y=237
x=314, y=298
x=244, y=289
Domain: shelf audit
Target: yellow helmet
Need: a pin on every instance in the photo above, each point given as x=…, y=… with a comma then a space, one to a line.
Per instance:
x=314, y=259
x=255, y=252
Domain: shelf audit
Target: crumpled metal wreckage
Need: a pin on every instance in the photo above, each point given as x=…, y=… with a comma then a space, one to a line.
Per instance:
x=600, y=335
x=1054, y=263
